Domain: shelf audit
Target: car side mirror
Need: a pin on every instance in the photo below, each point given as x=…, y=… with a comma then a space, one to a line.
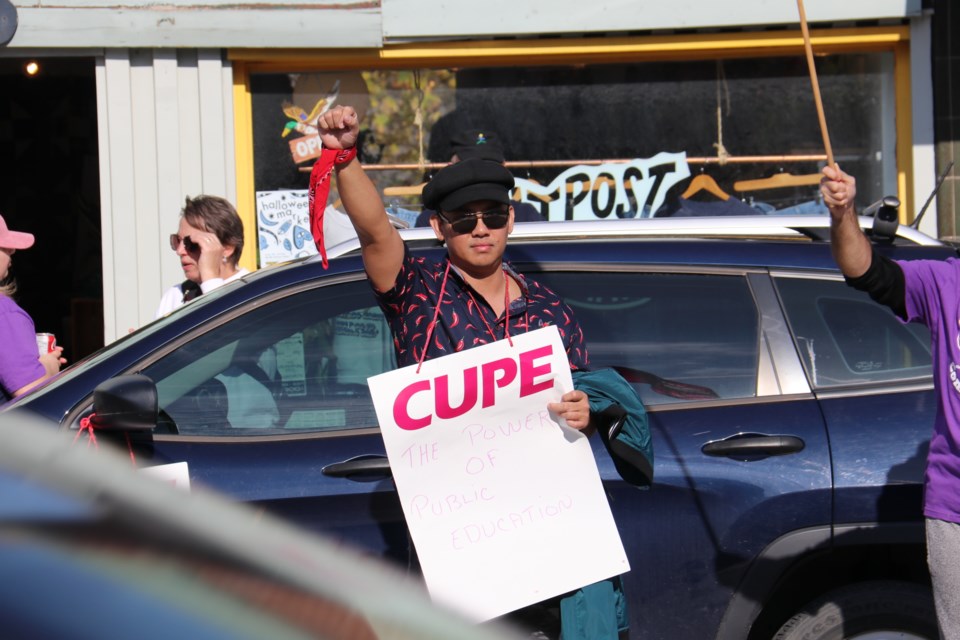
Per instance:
x=125, y=403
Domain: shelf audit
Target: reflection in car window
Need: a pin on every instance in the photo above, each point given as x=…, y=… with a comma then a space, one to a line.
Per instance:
x=677, y=337
x=845, y=338
x=297, y=363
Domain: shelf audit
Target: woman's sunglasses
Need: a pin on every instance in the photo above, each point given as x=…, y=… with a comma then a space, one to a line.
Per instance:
x=188, y=244
x=466, y=221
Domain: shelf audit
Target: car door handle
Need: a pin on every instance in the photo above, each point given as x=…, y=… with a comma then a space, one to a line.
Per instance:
x=754, y=445
x=360, y=468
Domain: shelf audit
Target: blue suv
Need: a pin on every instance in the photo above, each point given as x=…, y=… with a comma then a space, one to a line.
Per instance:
x=790, y=414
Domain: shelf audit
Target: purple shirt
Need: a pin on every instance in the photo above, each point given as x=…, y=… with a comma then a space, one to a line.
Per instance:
x=19, y=358
x=933, y=298
x=466, y=319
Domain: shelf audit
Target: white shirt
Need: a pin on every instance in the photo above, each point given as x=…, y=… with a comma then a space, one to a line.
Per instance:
x=173, y=297
x=250, y=405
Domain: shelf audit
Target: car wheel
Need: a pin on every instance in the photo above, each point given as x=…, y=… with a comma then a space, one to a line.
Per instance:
x=880, y=610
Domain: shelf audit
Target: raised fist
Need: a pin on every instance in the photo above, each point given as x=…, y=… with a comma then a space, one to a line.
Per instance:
x=339, y=128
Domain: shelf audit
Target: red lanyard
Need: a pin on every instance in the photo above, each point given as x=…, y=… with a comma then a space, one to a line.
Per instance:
x=436, y=314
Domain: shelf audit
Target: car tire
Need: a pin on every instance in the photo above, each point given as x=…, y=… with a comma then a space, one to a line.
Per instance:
x=900, y=610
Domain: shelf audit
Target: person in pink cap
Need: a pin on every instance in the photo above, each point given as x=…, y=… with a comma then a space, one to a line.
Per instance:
x=21, y=366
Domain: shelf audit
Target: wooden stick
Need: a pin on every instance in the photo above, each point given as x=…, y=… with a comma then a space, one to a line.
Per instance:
x=815, y=83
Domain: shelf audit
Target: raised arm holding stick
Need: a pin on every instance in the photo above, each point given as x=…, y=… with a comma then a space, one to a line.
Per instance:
x=928, y=292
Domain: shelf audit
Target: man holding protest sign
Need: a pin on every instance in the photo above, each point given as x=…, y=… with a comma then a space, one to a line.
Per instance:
x=484, y=300
x=471, y=298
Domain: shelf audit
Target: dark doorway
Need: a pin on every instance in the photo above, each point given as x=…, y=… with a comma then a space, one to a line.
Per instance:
x=50, y=187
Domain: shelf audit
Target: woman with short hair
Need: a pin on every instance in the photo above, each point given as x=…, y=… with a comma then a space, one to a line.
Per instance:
x=208, y=242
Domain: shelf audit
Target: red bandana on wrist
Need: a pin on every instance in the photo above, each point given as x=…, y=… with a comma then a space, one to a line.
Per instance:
x=320, y=189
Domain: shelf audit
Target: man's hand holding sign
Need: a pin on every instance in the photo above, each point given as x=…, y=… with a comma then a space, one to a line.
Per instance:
x=499, y=494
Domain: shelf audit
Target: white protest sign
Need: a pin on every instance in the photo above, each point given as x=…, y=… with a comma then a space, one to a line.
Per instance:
x=176, y=474
x=634, y=189
x=504, y=505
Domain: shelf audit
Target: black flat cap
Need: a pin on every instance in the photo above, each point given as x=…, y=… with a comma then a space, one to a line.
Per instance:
x=468, y=181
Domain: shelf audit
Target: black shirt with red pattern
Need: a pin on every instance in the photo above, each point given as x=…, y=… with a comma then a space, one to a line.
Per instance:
x=465, y=319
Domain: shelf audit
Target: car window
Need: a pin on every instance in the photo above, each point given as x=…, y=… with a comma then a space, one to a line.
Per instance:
x=845, y=338
x=677, y=337
x=295, y=363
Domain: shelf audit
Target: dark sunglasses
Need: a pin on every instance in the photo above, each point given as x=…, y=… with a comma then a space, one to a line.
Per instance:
x=188, y=244
x=466, y=221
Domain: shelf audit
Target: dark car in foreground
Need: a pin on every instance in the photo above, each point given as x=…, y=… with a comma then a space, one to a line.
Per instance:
x=91, y=548
x=790, y=415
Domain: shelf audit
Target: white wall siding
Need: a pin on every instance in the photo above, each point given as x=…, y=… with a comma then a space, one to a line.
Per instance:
x=145, y=211
x=213, y=137
x=198, y=23
x=403, y=19
x=189, y=111
x=106, y=200
x=117, y=208
x=169, y=166
x=164, y=136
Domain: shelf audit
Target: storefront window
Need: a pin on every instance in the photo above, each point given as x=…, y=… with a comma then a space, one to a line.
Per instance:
x=590, y=140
